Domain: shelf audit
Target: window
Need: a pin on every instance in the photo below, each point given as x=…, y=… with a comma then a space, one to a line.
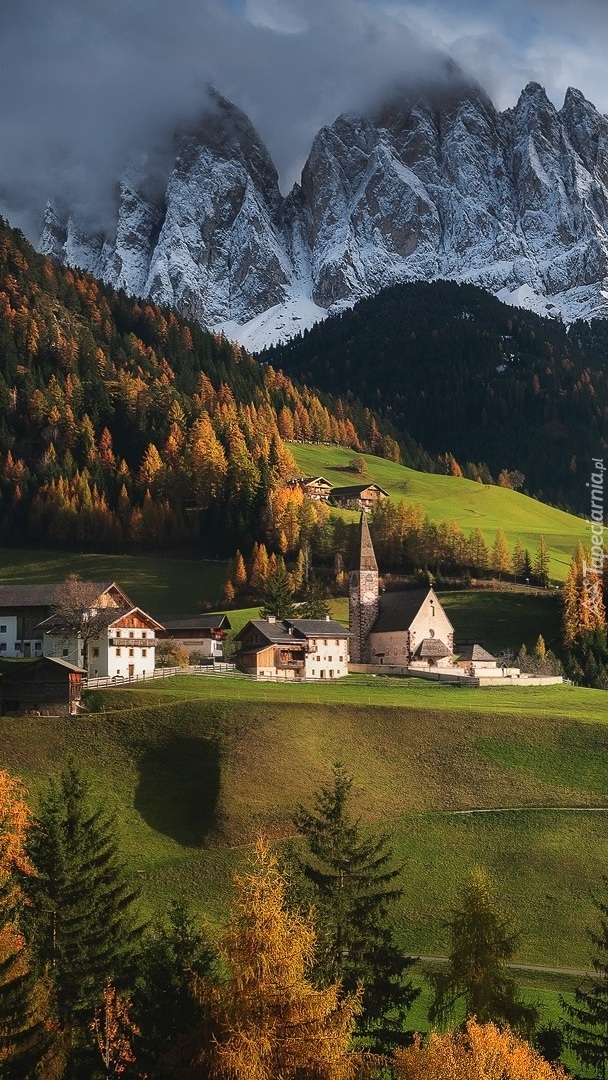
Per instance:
x=3, y=646
x=144, y=652
x=95, y=652
x=17, y=646
x=131, y=652
x=64, y=652
x=3, y=629
x=118, y=652
x=341, y=659
x=131, y=634
x=118, y=633
x=325, y=641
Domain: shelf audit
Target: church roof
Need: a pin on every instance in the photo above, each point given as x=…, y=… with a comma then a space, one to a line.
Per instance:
x=367, y=558
x=432, y=649
x=469, y=650
x=397, y=610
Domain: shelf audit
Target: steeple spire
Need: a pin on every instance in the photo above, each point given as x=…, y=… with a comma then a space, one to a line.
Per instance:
x=367, y=558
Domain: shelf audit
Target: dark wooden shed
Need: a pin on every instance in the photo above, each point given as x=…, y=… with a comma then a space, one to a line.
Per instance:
x=47, y=685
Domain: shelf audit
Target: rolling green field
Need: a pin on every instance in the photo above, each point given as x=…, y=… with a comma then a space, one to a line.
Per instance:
x=198, y=766
x=445, y=497
x=160, y=584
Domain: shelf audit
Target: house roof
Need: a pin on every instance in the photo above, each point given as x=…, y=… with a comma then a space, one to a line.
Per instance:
x=8, y=665
x=106, y=617
x=397, y=610
x=153, y=624
x=432, y=649
x=472, y=651
x=198, y=622
x=356, y=489
x=310, y=480
x=47, y=594
x=278, y=633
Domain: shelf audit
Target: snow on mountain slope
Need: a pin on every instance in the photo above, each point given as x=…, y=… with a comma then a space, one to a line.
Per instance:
x=516, y=202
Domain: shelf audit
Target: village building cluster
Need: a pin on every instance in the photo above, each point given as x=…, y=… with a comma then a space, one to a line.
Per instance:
x=406, y=632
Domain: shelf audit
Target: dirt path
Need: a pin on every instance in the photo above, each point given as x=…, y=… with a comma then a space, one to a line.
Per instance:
x=579, y=972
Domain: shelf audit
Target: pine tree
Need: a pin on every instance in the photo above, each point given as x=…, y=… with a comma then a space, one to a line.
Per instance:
x=172, y=951
x=83, y=922
x=519, y=560
x=314, y=605
x=353, y=880
x=278, y=596
x=239, y=576
x=583, y=605
x=586, y=1026
x=541, y=562
x=482, y=943
x=269, y=1020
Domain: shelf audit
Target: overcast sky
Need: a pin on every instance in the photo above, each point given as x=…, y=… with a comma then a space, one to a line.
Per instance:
x=82, y=83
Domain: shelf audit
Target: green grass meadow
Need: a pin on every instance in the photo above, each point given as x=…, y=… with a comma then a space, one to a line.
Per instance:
x=445, y=497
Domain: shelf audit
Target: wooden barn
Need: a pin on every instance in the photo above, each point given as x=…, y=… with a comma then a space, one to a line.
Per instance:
x=45, y=685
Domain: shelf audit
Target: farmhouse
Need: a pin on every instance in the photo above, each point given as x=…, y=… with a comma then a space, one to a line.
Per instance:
x=293, y=649
x=198, y=633
x=45, y=685
x=316, y=488
x=120, y=642
x=358, y=497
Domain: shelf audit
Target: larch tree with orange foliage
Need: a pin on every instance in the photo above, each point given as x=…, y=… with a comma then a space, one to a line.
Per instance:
x=269, y=1020
x=25, y=1024
x=480, y=1052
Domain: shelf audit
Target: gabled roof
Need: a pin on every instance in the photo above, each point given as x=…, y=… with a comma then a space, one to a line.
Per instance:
x=9, y=665
x=310, y=480
x=432, y=649
x=472, y=651
x=152, y=623
x=397, y=610
x=356, y=489
x=48, y=594
x=278, y=633
x=105, y=618
x=198, y=622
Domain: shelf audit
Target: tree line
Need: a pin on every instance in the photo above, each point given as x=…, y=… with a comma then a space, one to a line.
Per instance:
x=307, y=980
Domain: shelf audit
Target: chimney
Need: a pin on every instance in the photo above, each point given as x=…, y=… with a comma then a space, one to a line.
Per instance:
x=327, y=618
x=272, y=618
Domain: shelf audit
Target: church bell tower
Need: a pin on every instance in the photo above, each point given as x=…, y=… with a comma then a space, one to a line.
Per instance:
x=363, y=596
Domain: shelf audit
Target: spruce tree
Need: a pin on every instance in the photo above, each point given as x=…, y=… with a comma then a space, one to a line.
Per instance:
x=314, y=605
x=586, y=1026
x=475, y=975
x=353, y=882
x=278, y=595
x=83, y=922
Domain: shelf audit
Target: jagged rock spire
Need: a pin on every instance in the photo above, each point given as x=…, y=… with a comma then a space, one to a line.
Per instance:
x=367, y=558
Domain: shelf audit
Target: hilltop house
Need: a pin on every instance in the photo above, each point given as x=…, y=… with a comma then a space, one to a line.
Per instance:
x=293, y=649
x=316, y=488
x=358, y=496
x=198, y=633
x=122, y=645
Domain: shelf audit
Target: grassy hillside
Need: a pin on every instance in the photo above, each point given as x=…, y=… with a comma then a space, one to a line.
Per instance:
x=161, y=585
x=199, y=766
x=445, y=497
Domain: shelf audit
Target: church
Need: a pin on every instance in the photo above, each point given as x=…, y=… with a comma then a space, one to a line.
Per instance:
x=397, y=629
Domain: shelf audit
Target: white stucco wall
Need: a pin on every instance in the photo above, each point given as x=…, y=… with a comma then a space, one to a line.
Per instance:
x=327, y=658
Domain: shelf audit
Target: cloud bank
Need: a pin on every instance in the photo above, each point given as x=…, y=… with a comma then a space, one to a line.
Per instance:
x=82, y=86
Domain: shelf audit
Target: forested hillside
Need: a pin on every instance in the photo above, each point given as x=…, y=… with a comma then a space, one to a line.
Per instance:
x=124, y=427
x=469, y=377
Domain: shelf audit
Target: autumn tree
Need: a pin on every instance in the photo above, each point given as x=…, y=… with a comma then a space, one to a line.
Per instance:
x=239, y=576
x=480, y=1052
x=583, y=604
x=475, y=975
x=500, y=558
x=541, y=562
x=26, y=1035
x=77, y=613
x=354, y=886
x=269, y=1019
x=114, y=1031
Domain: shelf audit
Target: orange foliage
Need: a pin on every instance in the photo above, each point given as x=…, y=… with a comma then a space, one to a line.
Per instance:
x=481, y=1052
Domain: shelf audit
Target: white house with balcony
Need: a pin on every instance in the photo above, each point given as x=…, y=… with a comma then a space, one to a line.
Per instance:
x=293, y=649
x=119, y=641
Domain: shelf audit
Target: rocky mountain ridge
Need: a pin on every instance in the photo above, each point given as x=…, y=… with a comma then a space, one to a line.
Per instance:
x=516, y=202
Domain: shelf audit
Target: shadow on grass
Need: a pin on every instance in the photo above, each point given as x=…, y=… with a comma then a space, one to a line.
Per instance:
x=178, y=789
